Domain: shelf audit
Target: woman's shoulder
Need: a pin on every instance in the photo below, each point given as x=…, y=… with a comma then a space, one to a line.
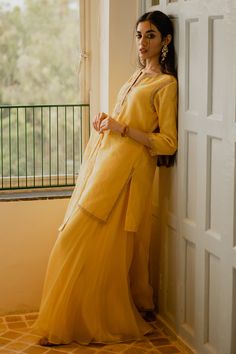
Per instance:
x=166, y=80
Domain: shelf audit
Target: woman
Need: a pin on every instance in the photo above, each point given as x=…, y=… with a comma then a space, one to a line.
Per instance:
x=97, y=279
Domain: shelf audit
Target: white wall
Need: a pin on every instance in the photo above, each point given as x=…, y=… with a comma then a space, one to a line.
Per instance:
x=27, y=233
x=113, y=54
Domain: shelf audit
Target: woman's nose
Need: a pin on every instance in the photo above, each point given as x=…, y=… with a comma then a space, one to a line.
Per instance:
x=143, y=40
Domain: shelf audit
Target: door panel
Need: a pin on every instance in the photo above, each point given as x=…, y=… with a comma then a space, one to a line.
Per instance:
x=197, y=198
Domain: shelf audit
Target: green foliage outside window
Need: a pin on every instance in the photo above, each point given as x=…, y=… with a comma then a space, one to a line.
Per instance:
x=39, y=45
x=39, y=64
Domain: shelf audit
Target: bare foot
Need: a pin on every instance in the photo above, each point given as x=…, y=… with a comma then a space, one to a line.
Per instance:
x=45, y=343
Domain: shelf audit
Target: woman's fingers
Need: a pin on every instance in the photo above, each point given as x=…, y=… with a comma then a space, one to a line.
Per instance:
x=96, y=122
x=111, y=124
x=103, y=125
x=103, y=122
x=98, y=119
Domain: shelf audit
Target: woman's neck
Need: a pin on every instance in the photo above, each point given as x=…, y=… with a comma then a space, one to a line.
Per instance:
x=152, y=68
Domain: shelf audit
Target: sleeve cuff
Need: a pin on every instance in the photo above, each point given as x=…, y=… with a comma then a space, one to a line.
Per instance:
x=151, y=140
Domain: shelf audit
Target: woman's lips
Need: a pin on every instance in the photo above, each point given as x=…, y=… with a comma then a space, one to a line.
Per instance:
x=142, y=50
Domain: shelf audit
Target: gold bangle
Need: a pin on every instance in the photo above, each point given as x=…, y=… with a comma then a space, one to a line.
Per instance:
x=125, y=130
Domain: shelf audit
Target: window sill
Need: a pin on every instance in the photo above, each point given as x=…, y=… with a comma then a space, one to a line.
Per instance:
x=36, y=194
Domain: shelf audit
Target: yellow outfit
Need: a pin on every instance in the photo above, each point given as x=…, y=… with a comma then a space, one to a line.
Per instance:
x=97, y=274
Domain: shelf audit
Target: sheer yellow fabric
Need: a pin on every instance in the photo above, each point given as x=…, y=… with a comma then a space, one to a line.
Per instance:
x=86, y=295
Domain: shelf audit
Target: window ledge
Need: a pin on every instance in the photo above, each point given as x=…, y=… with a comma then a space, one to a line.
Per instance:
x=36, y=194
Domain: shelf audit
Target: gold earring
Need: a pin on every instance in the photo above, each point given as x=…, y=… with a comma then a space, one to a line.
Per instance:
x=164, y=53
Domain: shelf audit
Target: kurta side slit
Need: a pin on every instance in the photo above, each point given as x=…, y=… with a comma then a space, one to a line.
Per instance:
x=97, y=276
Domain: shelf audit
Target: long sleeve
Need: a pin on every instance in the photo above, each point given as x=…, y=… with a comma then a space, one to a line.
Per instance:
x=165, y=141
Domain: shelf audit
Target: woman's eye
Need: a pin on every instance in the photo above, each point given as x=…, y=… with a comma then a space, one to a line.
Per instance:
x=150, y=36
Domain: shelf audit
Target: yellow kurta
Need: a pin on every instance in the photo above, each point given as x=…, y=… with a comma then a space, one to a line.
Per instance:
x=97, y=274
x=111, y=161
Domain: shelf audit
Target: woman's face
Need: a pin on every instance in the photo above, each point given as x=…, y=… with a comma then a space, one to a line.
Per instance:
x=149, y=41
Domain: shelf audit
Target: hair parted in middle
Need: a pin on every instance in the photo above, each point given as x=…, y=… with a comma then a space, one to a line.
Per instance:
x=164, y=25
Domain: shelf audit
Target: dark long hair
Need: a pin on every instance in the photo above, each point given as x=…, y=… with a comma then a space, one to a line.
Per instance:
x=164, y=25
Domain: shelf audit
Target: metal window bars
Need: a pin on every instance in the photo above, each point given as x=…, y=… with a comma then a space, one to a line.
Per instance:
x=41, y=145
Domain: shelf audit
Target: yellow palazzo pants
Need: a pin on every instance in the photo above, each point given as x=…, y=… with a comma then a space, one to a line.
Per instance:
x=97, y=277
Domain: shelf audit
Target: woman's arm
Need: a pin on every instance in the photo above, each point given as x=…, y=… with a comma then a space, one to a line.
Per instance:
x=138, y=135
x=111, y=124
x=162, y=143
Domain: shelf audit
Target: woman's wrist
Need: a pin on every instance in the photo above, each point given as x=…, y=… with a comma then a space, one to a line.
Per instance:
x=124, y=130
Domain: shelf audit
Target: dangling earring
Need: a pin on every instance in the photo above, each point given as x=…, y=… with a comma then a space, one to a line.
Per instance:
x=164, y=53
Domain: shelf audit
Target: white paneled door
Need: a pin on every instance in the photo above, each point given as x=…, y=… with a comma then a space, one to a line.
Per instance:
x=198, y=197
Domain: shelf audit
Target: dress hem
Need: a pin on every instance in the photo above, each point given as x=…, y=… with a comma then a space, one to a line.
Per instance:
x=92, y=341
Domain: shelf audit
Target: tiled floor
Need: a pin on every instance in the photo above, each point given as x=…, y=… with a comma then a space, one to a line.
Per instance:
x=16, y=337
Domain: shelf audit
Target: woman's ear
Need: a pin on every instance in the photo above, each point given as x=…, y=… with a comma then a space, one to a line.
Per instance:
x=167, y=39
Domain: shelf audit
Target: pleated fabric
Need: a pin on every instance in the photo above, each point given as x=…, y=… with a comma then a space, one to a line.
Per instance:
x=86, y=296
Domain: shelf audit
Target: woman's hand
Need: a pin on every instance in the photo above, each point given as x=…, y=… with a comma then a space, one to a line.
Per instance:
x=109, y=123
x=103, y=121
x=98, y=119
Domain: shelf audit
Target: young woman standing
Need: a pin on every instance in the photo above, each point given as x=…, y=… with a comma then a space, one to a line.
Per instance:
x=97, y=287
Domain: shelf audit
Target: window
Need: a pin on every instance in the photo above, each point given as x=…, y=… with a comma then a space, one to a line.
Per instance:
x=43, y=115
